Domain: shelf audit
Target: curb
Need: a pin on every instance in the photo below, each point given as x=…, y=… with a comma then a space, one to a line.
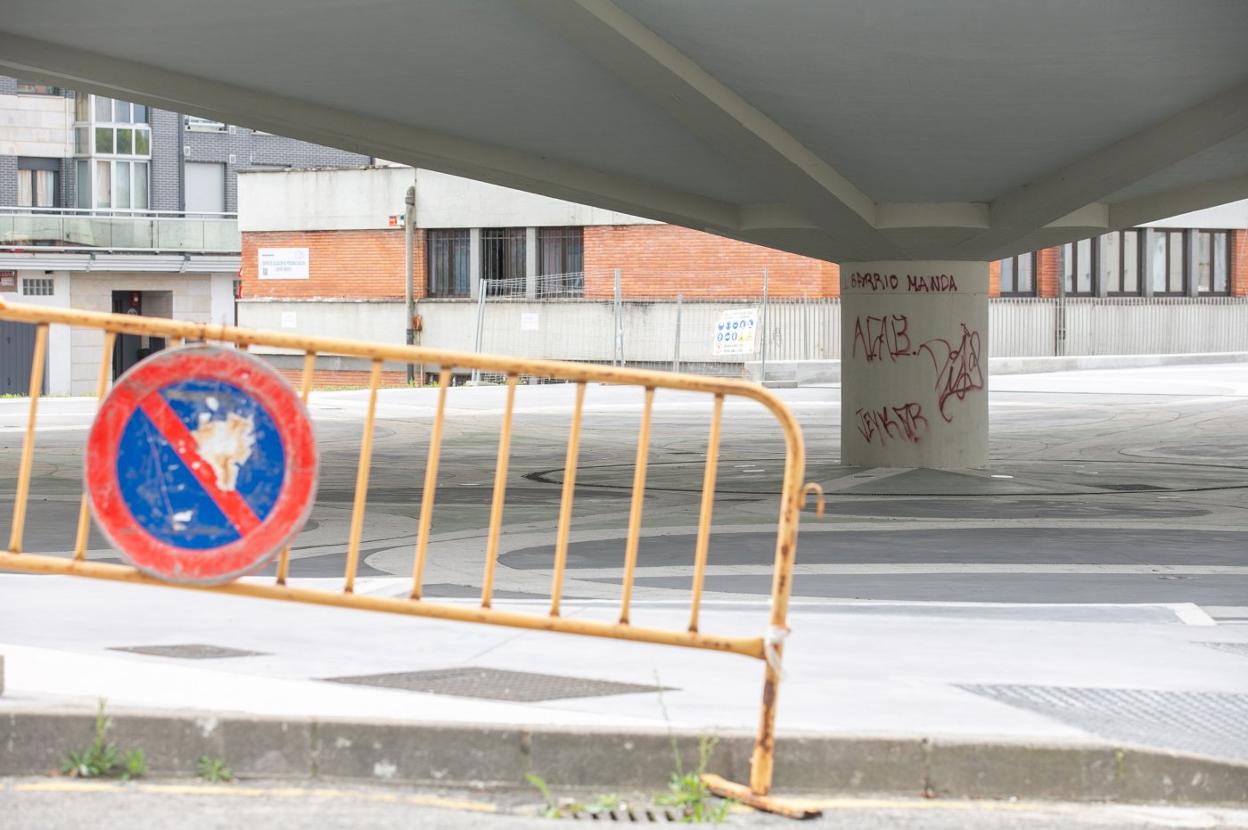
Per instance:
x=35, y=742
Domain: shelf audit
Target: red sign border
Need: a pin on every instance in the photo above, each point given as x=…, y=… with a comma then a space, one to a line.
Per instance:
x=294, y=501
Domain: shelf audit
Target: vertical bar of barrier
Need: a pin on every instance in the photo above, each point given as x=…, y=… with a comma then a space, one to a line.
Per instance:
x=361, y=480
x=101, y=386
x=763, y=759
x=28, y=444
x=305, y=390
x=704, y=517
x=565, y=502
x=500, y=492
x=639, y=495
x=431, y=482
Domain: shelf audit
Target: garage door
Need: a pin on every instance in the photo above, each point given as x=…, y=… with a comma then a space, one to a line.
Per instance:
x=17, y=350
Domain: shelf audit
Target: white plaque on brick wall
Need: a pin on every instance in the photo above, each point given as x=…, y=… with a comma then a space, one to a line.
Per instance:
x=283, y=263
x=529, y=321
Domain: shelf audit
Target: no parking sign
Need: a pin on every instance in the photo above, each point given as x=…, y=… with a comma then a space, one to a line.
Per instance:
x=201, y=464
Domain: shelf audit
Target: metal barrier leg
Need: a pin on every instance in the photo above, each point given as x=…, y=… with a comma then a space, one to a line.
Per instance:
x=28, y=444
x=361, y=480
x=639, y=498
x=431, y=484
x=500, y=493
x=305, y=391
x=565, y=503
x=101, y=386
x=704, y=518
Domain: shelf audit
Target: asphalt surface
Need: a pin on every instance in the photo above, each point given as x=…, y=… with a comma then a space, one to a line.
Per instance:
x=47, y=804
x=1107, y=486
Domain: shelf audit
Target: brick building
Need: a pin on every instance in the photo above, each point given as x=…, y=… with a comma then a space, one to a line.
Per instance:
x=344, y=231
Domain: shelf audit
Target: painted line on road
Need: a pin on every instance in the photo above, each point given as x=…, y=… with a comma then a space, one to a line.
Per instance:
x=920, y=568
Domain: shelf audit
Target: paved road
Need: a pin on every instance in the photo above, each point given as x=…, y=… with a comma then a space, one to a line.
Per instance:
x=1104, y=486
x=43, y=804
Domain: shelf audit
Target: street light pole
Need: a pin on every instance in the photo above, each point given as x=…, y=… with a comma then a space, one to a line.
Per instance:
x=409, y=265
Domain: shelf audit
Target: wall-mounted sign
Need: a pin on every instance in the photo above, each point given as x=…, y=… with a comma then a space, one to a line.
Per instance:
x=529, y=321
x=735, y=332
x=283, y=263
x=8, y=281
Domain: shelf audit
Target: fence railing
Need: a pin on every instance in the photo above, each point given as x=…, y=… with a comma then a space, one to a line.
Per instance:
x=666, y=333
x=767, y=647
x=126, y=230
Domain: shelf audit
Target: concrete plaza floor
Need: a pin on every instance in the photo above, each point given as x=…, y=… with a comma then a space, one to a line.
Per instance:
x=1090, y=585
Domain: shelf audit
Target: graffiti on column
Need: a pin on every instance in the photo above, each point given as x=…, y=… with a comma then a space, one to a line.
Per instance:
x=957, y=368
x=904, y=423
x=887, y=338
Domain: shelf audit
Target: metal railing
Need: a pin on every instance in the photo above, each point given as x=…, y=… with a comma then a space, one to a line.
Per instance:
x=133, y=230
x=767, y=647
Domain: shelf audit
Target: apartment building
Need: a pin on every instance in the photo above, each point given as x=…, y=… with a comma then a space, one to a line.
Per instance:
x=110, y=205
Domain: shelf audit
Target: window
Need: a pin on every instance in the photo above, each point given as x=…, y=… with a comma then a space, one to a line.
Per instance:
x=37, y=180
x=447, y=253
x=116, y=142
x=28, y=88
x=1168, y=273
x=1018, y=276
x=502, y=260
x=1077, y=267
x=37, y=287
x=1213, y=263
x=560, y=262
x=1118, y=262
x=205, y=187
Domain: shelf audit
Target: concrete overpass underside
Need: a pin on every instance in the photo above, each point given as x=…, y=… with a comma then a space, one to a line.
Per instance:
x=912, y=142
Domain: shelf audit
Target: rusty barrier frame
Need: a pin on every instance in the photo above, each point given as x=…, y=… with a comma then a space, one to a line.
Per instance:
x=768, y=648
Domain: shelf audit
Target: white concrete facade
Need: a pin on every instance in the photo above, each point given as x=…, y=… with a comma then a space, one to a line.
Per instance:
x=36, y=125
x=914, y=346
x=73, y=359
x=366, y=199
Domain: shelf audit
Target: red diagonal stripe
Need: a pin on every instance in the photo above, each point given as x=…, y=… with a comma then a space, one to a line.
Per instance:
x=232, y=504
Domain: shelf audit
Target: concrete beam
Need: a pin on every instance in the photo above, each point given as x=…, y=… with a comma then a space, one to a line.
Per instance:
x=1137, y=211
x=180, y=92
x=1036, y=204
x=724, y=120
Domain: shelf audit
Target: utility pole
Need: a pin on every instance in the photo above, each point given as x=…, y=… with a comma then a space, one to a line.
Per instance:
x=409, y=265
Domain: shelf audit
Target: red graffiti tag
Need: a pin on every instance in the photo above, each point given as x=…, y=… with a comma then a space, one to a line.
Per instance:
x=905, y=422
x=883, y=336
x=957, y=369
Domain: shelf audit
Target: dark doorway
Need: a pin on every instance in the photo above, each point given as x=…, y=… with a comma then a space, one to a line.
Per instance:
x=131, y=348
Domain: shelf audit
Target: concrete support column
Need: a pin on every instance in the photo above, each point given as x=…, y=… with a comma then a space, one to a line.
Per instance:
x=914, y=364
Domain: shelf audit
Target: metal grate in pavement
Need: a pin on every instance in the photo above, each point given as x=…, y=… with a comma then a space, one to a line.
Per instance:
x=496, y=684
x=1208, y=723
x=1234, y=648
x=190, y=651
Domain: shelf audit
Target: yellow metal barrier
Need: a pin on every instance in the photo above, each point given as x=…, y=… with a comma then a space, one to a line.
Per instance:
x=768, y=647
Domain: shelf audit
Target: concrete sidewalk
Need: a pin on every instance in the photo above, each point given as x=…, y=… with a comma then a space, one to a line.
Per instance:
x=978, y=676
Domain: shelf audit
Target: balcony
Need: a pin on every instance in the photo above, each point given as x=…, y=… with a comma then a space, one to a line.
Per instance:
x=130, y=231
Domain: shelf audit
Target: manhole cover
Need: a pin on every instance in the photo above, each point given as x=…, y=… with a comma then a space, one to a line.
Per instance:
x=1209, y=723
x=189, y=651
x=497, y=684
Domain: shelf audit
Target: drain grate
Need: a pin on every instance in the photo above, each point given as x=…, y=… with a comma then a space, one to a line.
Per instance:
x=497, y=684
x=1234, y=648
x=1209, y=723
x=189, y=651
